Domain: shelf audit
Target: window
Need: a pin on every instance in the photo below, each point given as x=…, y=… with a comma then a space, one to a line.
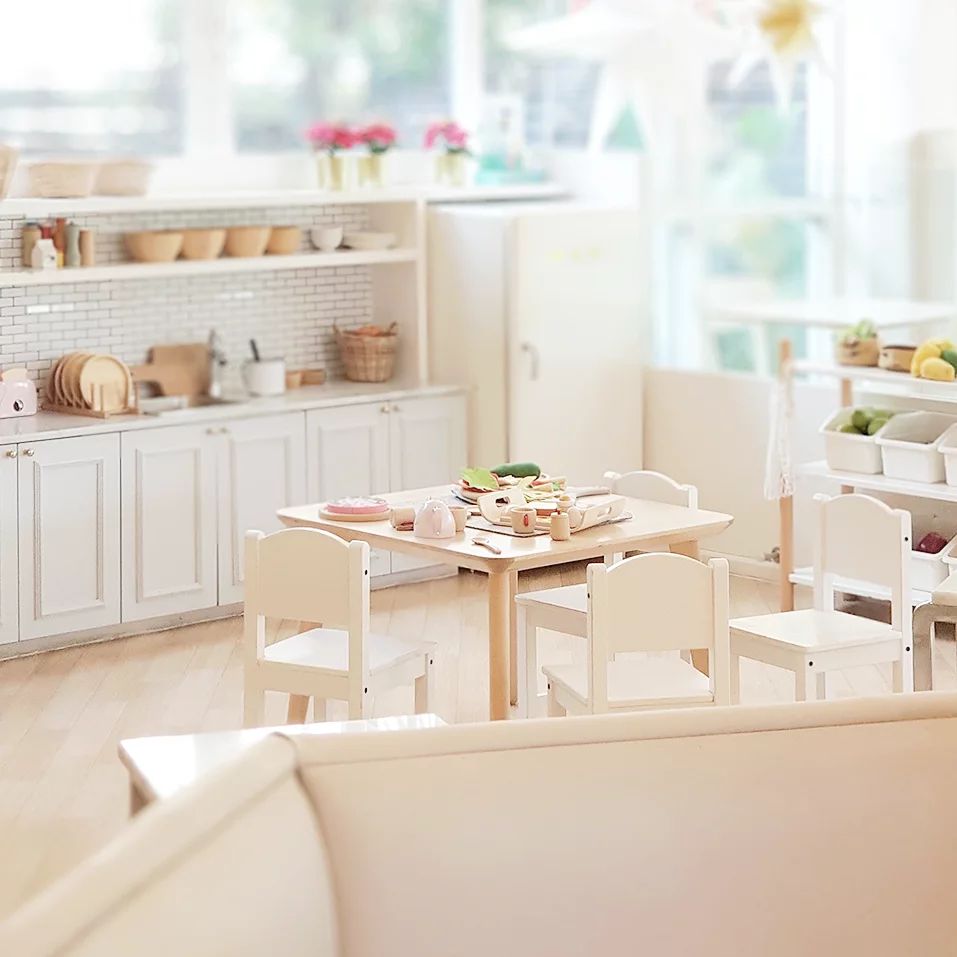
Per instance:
x=297, y=61
x=118, y=90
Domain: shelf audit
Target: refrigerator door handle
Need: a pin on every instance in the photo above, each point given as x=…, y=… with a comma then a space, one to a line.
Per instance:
x=533, y=353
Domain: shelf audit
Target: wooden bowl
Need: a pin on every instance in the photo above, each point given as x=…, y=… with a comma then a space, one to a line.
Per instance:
x=284, y=240
x=245, y=241
x=154, y=246
x=203, y=243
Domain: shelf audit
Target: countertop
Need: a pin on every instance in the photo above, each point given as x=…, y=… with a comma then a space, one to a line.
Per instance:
x=57, y=425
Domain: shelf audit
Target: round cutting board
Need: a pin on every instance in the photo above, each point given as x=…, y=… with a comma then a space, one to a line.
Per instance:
x=104, y=383
x=69, y=385
x=53, y=396
x=359, y=509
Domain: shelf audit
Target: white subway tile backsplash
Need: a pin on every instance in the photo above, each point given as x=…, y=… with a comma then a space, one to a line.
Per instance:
x=290, y=314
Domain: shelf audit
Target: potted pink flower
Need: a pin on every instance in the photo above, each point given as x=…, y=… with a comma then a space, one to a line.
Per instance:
x=450, y=164
x=327, y=139
x=378, y=138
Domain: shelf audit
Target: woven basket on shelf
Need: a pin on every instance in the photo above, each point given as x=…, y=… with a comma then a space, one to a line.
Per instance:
x=8, y=163
x=61, y=180
x=367, y=358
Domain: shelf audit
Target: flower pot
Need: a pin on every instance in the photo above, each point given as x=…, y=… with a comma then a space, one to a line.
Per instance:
x=450, y=168
x=370, y=169
x=333, y=171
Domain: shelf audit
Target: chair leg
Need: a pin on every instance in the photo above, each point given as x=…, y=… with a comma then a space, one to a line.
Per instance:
x=528, y=685
x=319, y=709
x=901, y=680
x=297, y=708
x=555, y=710
x=800, y=684
x=422, y=689
x=821, y=689
x=735, y=678
x=254, y=706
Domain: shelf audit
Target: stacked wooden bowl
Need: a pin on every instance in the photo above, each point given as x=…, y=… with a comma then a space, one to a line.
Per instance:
x=85, y=383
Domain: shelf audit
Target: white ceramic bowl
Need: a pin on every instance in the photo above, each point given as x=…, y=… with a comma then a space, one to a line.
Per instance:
x=326, y=238
x=369, y=240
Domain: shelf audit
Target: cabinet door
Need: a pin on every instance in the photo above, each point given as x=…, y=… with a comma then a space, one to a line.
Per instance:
x=9, y=573
x=427, y=447
x=169, y=521
x=262, y=468
x=347, y=452
x=69, y=532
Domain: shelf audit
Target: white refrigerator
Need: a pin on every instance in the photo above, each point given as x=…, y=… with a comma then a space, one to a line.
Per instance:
x=542, y=310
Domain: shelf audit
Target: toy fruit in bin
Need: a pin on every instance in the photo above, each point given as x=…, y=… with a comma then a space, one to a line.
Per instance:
x=866, y=421
x=935, y=359
x=931, y=544
x=858, y=345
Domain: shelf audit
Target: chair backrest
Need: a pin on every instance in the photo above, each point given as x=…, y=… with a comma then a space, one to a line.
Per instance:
x=653, y=486
x=863, y=539
x=307, y=575
x=658, y=602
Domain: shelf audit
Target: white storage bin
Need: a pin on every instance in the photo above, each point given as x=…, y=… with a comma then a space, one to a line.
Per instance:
x=928, y=571
x=847, y=452
x=909, y=446
x=948, y=449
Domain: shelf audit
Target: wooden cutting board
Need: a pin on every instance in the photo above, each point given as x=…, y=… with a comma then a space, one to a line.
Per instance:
x=176, y=369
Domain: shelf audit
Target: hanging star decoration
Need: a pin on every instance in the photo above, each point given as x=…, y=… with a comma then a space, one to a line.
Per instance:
x=783, y=34
x=654, y=57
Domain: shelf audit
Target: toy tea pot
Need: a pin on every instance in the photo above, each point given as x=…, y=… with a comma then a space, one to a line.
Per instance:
x=434, y=519
x=18, y=394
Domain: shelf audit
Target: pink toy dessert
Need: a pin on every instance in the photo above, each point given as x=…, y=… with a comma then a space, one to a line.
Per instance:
x=358, y=505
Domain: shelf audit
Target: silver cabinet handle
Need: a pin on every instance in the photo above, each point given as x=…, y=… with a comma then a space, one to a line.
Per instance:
x=533, y=353
x=11, y=453
x=28, y=452
x=385, y=408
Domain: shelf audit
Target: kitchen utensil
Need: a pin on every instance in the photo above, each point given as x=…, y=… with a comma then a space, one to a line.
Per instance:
x=284, y=240
x=123, y=177
x=265, y=376
x=247, y=241
x=154, y=246
x=461, y=515
x=105, y=384
x=18, y=394
x=433, y=519
x=87, y=247
x=70, y=378
x=177, y=369
x=71, y=252
x=403, y=518
x=560, y=527
x=353, y=517
x=582, y=518
x=523, y=518
x=368, y=240
x=254, y=349
x=483, y=542
x=28, y=239
x=61, y=180
x=326, y=238
x=494, y=505
x=203, y=243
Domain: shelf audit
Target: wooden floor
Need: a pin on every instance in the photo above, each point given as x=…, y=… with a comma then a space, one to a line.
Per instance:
x=63, y=793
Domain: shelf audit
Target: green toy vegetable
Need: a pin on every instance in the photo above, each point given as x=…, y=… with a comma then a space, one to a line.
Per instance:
x=518, y=469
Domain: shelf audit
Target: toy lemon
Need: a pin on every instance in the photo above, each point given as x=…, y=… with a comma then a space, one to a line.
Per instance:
x=938, y=369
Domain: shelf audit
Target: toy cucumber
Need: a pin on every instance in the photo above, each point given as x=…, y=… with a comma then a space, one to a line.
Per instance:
x=518, y=469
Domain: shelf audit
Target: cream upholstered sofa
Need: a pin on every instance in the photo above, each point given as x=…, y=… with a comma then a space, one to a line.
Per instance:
x=815, y=828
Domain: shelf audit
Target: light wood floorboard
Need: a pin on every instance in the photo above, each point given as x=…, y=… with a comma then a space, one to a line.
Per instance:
x=63, y=792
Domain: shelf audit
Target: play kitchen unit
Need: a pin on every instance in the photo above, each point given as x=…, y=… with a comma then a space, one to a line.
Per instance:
x=180, y=408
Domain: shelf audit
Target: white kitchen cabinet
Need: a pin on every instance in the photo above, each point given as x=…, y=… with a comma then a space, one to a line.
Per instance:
x=385, y=447
x=427, y=446
x=9, y=573
x=347, y=453
x=68, y=512
x=169, y=520
x=262, y=468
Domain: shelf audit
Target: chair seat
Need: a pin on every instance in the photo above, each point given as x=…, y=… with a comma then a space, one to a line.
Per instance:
x=658, y=682
x=812, y=630
x=328, y=649
x=946, y=592
x=570, y=597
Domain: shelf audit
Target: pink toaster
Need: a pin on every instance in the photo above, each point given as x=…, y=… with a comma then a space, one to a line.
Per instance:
x=18, y=394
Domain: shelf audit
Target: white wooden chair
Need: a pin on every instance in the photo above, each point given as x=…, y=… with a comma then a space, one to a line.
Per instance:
x=564, y=609
x=861, y=539
x=311, y=576
x=649, y=603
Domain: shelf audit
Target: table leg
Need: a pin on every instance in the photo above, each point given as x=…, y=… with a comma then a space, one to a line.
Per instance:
x=499, y=591
x=699, y=656
x=512, y=638
x=138, y=800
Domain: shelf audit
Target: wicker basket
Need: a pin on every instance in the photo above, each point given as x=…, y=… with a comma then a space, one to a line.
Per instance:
x=368, y=358
x=61, y=180
x=8, y=163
